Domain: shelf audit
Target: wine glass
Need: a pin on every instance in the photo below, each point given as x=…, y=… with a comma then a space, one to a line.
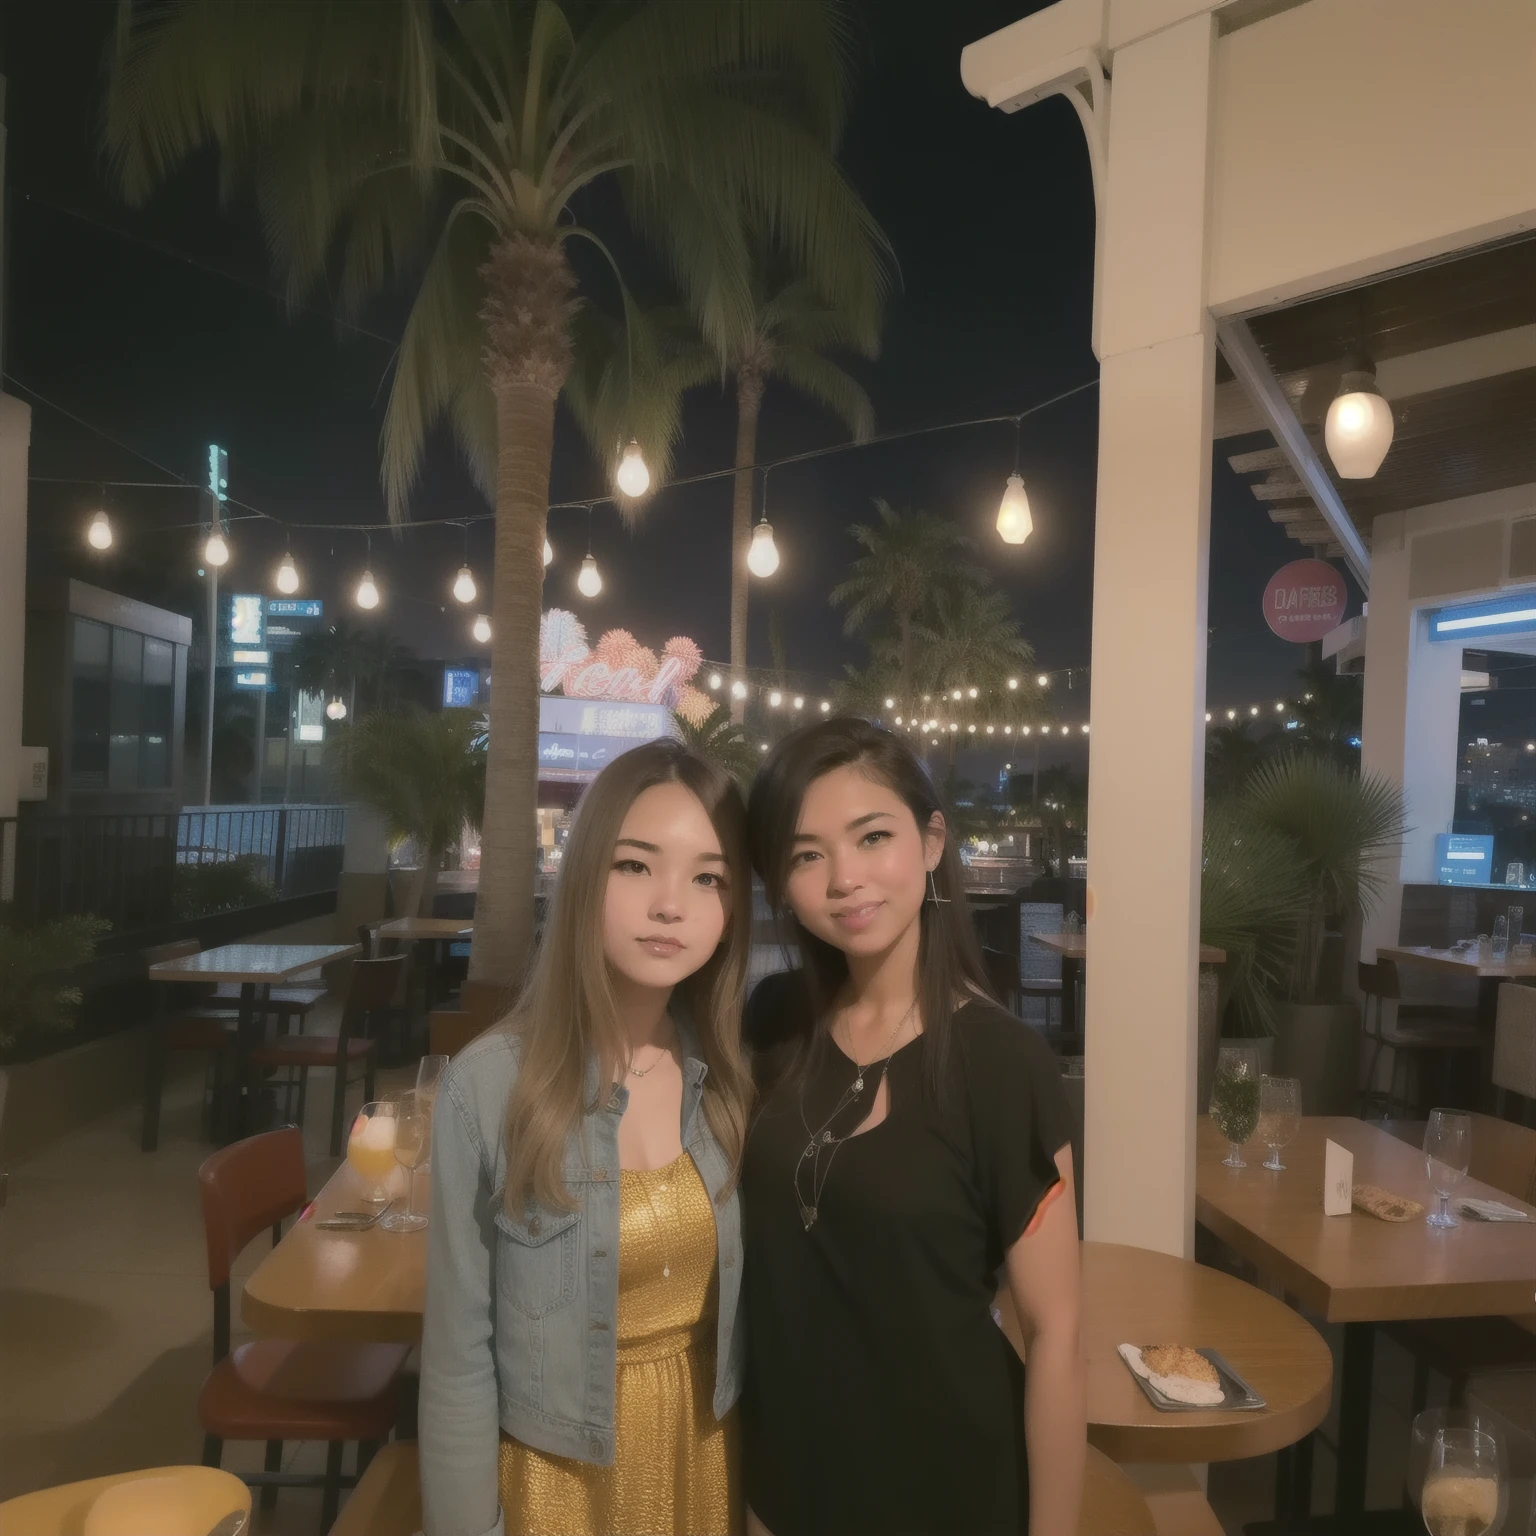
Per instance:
x=371, y=1148
x=1447, y=1155
x=1235, y=1099
x=428, y=1076
x=1465, y=1493
x=412, y=1129
x=1279, y=1116
x=1426, y=1426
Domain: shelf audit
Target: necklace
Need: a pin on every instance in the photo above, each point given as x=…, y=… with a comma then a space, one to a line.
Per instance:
x=646, y=1071
x=822, y=1140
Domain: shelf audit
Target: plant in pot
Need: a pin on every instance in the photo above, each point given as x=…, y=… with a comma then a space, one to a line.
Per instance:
x=424, y=773
x=1342, y=825
x=1252, y=898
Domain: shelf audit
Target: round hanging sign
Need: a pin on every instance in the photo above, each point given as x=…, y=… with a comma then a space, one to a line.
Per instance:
x=1304, y=600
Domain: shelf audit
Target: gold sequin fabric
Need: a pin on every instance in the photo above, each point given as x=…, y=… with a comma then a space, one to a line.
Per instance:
x=676, y=1468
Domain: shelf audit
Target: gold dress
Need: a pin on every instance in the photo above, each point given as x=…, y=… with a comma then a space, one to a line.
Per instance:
x=675, y=1471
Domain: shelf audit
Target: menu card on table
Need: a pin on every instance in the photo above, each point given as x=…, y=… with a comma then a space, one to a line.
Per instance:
x=1338, y=1179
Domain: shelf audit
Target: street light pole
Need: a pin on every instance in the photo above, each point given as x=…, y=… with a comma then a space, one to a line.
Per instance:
x=210, y=669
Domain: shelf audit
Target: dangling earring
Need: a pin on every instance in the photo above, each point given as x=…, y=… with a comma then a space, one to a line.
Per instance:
x=933, y=892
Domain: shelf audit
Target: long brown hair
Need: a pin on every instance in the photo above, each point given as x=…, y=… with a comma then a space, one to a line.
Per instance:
x=567, y=1014
x=949, y=965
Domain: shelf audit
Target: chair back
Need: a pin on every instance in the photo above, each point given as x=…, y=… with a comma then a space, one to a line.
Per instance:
x=373, y=984
x=367, y=936
x=1387, y=984
x=247, y=1188
x=1514, y=1040
x=178, y=950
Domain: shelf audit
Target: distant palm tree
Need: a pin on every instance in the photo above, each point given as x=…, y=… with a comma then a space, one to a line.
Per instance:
x=1232, y=755
x=911, y=556
x=721, y=741
x=1327, y=710
x=344, y=658
x=423, y=773
x=463, y=139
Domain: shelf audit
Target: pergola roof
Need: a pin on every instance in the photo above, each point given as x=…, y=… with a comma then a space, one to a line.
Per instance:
x=1454, y=345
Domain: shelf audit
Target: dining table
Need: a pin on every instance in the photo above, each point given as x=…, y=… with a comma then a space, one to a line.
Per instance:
x=433, y=934
x=1356, y=1270
x=1073, y=949
x=255, y=969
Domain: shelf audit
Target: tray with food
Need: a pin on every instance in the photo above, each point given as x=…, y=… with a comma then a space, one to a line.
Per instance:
x=1179, y=1379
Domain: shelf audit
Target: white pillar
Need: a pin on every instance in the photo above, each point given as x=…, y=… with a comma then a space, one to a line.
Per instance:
x=15, y=440
x=1151, y=549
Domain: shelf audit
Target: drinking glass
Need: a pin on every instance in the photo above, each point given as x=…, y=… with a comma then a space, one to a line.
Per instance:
x=1426, y=1426
x=1515, y=873
x=1500, y=946
x=1516, y=917
x=371, y=1148
x=1235, y=1099
x=1279, y=1116
x=428, y=1075
x=1447, y=1155
x=412, y=1128
x=1465, y=1492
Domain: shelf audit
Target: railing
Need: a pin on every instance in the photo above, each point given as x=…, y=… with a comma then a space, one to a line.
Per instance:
x=136, y=870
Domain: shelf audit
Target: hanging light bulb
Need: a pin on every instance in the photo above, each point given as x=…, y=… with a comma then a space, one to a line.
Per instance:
x=367, y=594
x=464, y=585
x=763, y=556
x=1014, y=523
x=738, y=689
x=1358, y=430
x=336, y=709
x=99, y=534
x=287, y=578
x=826, y=706
x=589, y=583
x=549, y=552
x=216, y=550
x=633, y=475
x=714, y=681
x=799, y=702
x=775, y=699
x=481, y=630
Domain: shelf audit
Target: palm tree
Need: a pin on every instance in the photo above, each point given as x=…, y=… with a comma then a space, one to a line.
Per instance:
x=461, y=138
x=721, y=741
x=911, y=556
x=423, y=773
x=343, y=656
x=1232, y=756
x=1327, y=713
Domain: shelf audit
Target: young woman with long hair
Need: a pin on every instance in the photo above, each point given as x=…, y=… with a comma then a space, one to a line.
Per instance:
x=580, y=1355
x=911, y=1140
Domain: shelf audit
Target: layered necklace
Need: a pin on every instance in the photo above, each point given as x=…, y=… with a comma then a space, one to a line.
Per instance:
x=810, y=1172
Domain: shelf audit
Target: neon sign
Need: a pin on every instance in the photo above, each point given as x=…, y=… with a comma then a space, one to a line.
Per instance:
x=617, y=668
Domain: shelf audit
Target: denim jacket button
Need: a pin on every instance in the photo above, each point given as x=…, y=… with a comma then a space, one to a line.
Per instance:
x=599, y=1253
x=598, y=1326
x=596, y=1447
x=599, y=1173
x=729, y=1260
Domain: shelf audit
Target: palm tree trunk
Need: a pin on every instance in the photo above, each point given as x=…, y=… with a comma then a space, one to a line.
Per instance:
x=503, y=941
x=749, y=400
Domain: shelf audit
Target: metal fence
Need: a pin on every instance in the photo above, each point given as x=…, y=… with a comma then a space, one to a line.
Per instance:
x=130, y=868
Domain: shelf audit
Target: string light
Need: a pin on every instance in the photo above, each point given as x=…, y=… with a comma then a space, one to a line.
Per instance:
x=970, y=693
x=763, y=555
x=775, y=699
x=464, y=589
x=216, y=550
x=890, y=703
x=589, y=581
x=99, y=534
x=1359, y=426
x=826, y=706
x=800, y=703
x=714, y=681
x=1014, y=523
x=1042, y=681
x=367, y=594
x=287, y=578
x=549, y=552
x=738, y=689
x=1013, y=682
x=336, y=709
x=481, y=629
x=633, y=476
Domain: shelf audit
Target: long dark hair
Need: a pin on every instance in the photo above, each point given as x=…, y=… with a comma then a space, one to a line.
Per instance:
x=949, y=965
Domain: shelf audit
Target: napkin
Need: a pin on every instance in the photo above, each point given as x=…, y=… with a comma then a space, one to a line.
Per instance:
x=1490, y=1210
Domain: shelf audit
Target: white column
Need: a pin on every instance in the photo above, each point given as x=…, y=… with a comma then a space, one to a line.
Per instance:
x=1151, y=548
x=15, y=439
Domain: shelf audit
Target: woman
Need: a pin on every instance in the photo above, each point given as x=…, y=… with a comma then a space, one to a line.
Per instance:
x=580, y=1358
x=911, y=1140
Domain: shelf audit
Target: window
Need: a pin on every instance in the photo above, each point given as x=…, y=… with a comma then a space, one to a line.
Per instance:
x=90, y=695
x=158, y=711
x=122, y=709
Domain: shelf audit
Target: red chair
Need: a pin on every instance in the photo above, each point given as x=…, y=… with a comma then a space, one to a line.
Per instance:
x=283, y=1389
x=371, y=989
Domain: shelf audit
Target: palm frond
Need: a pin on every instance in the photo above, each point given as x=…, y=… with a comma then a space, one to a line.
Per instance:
x=828, y=385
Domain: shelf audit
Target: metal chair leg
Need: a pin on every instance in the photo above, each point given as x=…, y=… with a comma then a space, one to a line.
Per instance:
x=366, y=1451
x=273, y=1463
x=331, y=1499
x=213, y=1450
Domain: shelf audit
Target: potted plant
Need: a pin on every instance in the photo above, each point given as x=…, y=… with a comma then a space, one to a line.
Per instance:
x=1340, y=824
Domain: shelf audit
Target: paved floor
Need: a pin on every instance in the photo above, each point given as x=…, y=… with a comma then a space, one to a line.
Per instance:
x=106, y=1321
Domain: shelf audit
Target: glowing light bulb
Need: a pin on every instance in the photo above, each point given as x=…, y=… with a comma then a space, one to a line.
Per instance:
x=1085, y=729
x=955, y=694
x=100, y=532
x=336, y=709
x=775, y=699
x=464, y=585
x=367, y=594
x=738, y=689
x=633, y=475
x=826, y=707
x=216, y=550
x=1359, y=427
x=763, y=556
x=1207, y=717
x=481, y=630
x=714, y=681
x=970, y=693
x=1014, y=524
x=890, y=703
x=589, y=583
x=549, y=551
x=799, y=702
x=287, y=578
x=1013, y=682
x=1042, y=681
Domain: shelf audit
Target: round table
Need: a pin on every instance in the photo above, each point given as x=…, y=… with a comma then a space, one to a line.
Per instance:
x=1112, y=1503
x=1137, y=1296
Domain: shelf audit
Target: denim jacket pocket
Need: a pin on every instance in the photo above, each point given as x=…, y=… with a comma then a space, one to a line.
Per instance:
x=536, y=1259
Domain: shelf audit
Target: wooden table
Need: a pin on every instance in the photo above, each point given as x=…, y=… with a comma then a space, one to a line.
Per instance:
x=1136, y=1296
x=1354, y=1269
x=1073, y=949
x=317, y=1284
x=435, y=934
x=252, y=966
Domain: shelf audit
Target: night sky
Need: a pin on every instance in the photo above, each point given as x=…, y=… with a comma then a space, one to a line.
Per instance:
x=159, y=326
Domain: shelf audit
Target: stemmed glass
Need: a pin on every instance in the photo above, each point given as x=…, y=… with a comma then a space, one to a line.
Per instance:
x=413, y=1123
x=1465, y=1493
x=371, y=1148
x=1447, y=1155
x=1279, y=1116
x=1235, y=1100
x=429, y=1076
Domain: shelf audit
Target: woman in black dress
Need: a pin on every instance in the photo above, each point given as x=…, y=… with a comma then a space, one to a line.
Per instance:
x=911, y=1141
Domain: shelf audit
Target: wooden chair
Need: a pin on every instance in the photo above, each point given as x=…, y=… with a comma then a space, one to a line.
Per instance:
x=1514, y=1045
x=283, y=1389
x=398, y=1014
x=198, y=1027
x=1417, y=1028
x=371, y=989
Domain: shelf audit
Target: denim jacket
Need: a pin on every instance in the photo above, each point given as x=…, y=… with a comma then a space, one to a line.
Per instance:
x=521, y=1315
